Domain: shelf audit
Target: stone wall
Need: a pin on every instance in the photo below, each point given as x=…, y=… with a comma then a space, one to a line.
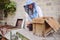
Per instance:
x=49, y=8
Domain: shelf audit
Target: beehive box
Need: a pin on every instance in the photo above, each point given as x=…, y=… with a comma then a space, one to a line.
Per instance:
x=42, y=26
x=38, y=27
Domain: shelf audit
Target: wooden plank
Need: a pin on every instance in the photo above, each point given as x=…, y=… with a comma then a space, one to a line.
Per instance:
x=34, y=28
x=53, y=24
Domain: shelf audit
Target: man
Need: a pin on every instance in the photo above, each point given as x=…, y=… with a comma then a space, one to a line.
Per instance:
x=33, y=11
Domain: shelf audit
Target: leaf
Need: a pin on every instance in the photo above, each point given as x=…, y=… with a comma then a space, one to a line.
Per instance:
x=11, y=7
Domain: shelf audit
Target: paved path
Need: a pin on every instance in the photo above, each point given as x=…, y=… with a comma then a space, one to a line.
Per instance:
x=29, y=35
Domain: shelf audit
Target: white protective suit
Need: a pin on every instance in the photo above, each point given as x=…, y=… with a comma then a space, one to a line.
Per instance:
x=38, y=10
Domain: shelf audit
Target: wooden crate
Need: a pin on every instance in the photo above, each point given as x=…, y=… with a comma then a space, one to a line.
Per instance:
x=44, y=25
x=38, y=27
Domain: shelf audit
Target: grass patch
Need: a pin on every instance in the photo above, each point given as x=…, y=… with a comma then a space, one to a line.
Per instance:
x=22, y=37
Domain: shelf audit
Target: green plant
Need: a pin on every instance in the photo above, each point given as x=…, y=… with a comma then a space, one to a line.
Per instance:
x=2, y=3
x=22, y=36
x=10, y=7
x=7, y=6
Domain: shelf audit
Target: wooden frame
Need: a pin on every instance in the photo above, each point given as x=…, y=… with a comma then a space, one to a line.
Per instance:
x=19, y=23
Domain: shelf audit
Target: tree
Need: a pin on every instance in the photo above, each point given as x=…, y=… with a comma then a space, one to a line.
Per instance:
x=7, y=6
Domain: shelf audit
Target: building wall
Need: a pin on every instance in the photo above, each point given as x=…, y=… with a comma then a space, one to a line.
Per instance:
x=49, y=8
x=19, y=14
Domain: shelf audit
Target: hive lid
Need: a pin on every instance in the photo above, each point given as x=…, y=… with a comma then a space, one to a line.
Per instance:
x=40, y=20
x=53, y=24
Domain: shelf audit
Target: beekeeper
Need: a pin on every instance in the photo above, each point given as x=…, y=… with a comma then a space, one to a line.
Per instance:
x=32, y=11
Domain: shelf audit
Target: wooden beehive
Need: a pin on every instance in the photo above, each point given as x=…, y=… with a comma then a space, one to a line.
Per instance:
x=38, y=26
x=42, y=26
